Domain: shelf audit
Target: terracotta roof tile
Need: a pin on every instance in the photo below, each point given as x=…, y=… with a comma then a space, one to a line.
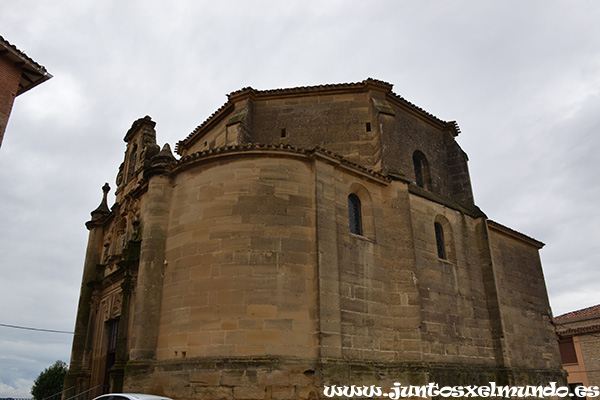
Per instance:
x=5, y=43
x=561, y=331
x=230, y=149
x=579, y=315
x=33, y=74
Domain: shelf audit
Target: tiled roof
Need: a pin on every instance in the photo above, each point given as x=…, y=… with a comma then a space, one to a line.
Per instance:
x=305, y=90
x=562, y=331
x=212, y=118
x=265, y=148
x=312, y=89
x=579, y=315
x=32, y=73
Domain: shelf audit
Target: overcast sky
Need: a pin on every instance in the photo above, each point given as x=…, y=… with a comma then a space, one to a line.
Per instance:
x=521, y=78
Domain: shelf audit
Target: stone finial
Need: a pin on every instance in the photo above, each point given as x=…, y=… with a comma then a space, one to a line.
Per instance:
x=102, y=209
x=164, y=157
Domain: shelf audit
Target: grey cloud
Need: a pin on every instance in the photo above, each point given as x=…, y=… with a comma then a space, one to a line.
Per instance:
x=521, y=79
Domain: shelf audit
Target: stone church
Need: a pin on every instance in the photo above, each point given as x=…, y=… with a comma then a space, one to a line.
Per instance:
x=305, y=237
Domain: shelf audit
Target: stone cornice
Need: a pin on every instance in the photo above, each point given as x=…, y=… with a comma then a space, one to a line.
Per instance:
x=270, y=150
x=511, y=232
x=474, y=211
x=566, y=332
x=318, y=90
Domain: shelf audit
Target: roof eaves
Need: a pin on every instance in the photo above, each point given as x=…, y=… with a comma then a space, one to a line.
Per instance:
x=451, y=126
x=212, y=119
x=283, y=92
x=365, y=85
x=301, y=90
x=265, y=149
x=579, y=315
x=32, y=75
x=511, y=232
x=579, y=330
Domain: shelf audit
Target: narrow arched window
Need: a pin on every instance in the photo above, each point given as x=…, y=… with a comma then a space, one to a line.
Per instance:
x=439, y=240
x=354, y=214
x=422, y=176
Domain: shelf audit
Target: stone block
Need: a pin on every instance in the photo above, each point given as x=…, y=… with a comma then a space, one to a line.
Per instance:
x=220, y=350
x=223, y=297
x=249, y=392
x=261, y=311
x=274, y=378
x=283, y=393
x=289, y=338
x=229, y=324
x=178, y=340
x=251, y=324
x=213, y=392
x=199, y=339
x=250, y=350
x=262, y=337
x=238, y=377
x=205, y=378
x=235, y=337
x=278, y=324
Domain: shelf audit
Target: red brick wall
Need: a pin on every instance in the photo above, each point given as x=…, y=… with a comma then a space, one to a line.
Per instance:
x=10, y=75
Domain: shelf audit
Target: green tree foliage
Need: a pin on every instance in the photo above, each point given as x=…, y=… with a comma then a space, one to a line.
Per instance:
x=50, y=381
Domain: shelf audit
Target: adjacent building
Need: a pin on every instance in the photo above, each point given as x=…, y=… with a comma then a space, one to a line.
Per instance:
x=18, y=74
x=306, y=237
x=579, y=340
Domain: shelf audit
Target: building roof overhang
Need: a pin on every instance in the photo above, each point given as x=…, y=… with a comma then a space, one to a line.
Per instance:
x=281, y=150
x=318, y=90
x=32, y=73
x=592, y=312
x=515, y=234
x=581, y=330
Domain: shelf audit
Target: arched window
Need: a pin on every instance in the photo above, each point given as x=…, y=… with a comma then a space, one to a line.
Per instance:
x=444, y=239
x=354, y=214
x=422, y=175
x=439, y=240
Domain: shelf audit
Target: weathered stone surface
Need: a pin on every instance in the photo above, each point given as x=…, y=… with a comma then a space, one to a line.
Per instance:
x=250, y=285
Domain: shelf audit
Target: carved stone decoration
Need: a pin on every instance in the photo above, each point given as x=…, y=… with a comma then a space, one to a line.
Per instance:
x=95, y=302
x=120, y=175
x=116, y=301
x=148, y=151
x=106, y=252
x=131, y=209
x=104, y=309
x=110, y=306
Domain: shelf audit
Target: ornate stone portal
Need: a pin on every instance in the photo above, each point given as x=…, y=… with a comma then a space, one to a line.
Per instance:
x=306, y=237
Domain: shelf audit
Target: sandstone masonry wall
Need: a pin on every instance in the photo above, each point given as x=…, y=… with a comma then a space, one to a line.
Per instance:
x=530, y=340
x=337, y=122
x=378, y=296
x=240, y=272
x=245, y=281
x=404, y=133
x=455, y=319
